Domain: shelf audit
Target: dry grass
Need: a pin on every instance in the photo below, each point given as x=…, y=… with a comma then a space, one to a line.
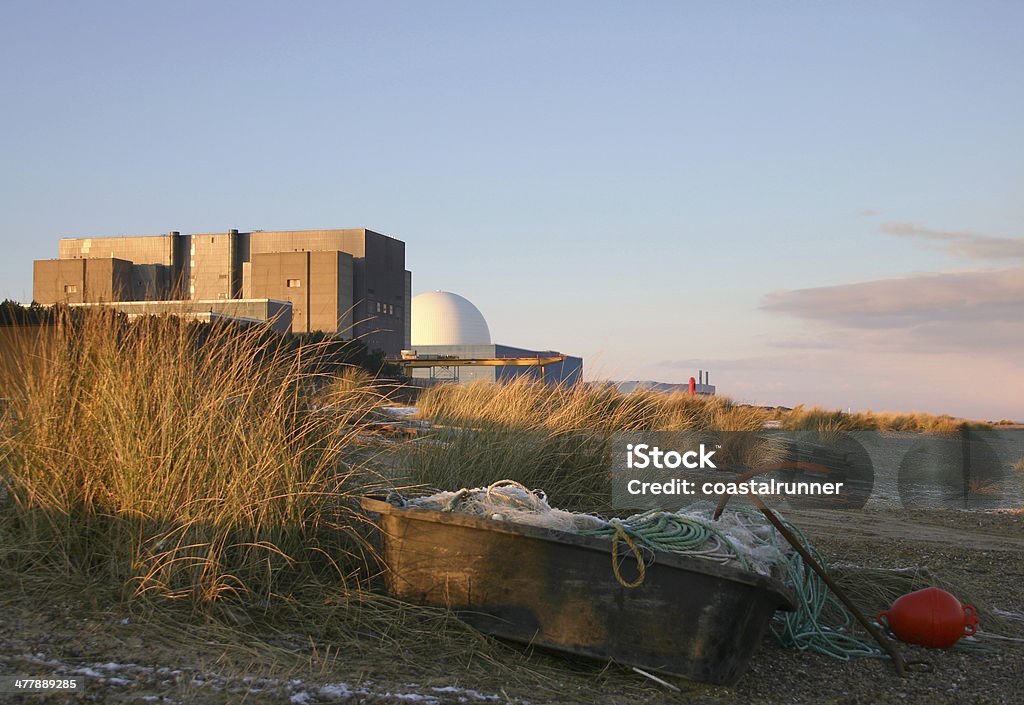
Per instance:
x=556, y=438
x=527, y=404
x=819, y=419
x=559, y=438
x=200, y=476
x=985, y=487
x=178, y=461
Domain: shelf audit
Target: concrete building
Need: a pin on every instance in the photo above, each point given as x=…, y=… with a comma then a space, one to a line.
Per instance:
x=309, y=281
x=447, y=328
x=81, y=280
x=352, y=283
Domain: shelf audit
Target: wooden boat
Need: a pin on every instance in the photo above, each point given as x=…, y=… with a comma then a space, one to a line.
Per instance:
x=690, y=617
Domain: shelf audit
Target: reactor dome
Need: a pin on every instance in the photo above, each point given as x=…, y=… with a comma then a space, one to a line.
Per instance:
x=444, y=318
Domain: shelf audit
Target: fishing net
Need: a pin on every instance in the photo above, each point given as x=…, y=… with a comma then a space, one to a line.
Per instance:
x=737, y=537
x=509, y=502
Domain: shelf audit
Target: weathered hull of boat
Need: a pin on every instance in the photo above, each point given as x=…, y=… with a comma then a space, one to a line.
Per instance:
x=691, y=617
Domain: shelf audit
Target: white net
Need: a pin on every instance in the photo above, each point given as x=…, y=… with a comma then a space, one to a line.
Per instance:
x=738, y=537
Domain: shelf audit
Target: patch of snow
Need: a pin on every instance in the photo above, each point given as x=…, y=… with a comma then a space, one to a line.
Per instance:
x=412, y=697
x=42, y=660
x=300, y=698
x=114, y=666
x=468, y=692
x=339, y=690
x=1009, y=615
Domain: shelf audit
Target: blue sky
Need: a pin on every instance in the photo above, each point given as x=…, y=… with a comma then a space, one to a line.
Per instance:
x=659, y=187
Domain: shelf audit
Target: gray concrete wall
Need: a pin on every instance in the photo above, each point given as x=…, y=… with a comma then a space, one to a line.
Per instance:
x=108, y=279
x=271, y=274
x=58, y=281
x=330, y=292
x=78, y=280
x=407, y=311
x=378, y=278
x=211, y=266
x=146, y=249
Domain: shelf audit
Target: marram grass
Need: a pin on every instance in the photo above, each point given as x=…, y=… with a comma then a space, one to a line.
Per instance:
x=555, y=438
x=558, y=438
x=178, y=460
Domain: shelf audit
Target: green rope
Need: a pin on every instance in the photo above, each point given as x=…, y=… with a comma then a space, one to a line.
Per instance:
x=803, y=629
x=676, y=533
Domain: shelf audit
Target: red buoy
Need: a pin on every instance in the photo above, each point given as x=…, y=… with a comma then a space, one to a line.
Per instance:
x=930, y=617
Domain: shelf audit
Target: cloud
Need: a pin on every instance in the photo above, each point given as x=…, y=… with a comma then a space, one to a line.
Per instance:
x=803, y=344
x=867, y=212
x=965, y=311
x=964, y=244
x=754, y=362
x=902, y=300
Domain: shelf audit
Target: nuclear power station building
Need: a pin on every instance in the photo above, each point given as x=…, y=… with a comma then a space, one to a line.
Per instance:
x=351, y=283
x=348, y=283
x=451, y=342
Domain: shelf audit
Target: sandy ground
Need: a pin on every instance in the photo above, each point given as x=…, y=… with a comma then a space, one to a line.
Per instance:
x=123, y=658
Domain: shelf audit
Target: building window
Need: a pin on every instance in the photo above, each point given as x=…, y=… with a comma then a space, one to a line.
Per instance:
x=294, y=283
x=391, y=309
x=71, y=288
x=378, y=307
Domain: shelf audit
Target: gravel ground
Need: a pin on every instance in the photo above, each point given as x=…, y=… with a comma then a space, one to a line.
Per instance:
x=123, y=660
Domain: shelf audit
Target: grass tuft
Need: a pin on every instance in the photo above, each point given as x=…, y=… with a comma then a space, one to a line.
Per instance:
x=818, y=419
x=178, y=461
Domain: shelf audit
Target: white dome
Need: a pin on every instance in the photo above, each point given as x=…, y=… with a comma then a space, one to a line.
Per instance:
x=444, y=318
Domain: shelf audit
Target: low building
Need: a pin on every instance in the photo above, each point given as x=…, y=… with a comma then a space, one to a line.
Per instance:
x=277, y=313
x=451, y=342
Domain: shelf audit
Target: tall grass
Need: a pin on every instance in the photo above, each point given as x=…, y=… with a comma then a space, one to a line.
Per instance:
x=177, y=460
x=555, y=438
x=558, y=438
x=527, y=404
x=818, y=419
